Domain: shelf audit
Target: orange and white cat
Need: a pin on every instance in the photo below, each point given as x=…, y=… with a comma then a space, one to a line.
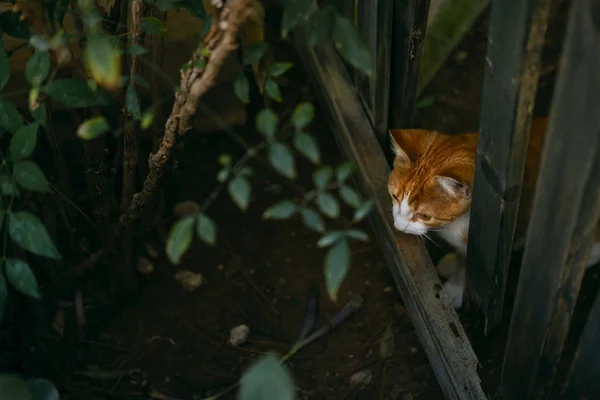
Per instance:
x=430, y=185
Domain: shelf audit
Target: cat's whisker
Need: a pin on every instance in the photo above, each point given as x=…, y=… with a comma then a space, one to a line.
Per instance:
x=431, y=240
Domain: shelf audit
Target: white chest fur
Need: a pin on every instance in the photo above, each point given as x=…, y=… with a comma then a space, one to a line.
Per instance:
x=455, y=231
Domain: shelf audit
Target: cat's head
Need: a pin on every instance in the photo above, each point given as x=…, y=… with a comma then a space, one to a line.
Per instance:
x=431, y=180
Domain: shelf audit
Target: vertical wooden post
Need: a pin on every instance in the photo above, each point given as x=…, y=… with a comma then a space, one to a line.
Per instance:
x=383, y=59
x=558, y=239
x=511, y=77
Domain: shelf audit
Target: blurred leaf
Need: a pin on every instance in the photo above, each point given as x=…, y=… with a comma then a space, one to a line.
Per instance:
x=351, y=46
x=24, y=141
x=180, y=239
x=266, y=122
x=206, y=24
x=4, y=66
x=281, y=210
x=319, y=26
x=37, y=68
x=254, y=52
x=303, y=115
x=328, y=204
x=3, y=294
x=40, y=43
x=136, y=50
x=139, y=80
x=386, y=346
x=71, y=92
x=206, y=229
x=102, y=58
x=41, y=389
x=10, y=119
x=425, y=102
x=312, y=220
x=312, y=312
x=30, y=233
x=322, y=176
x=279, y=68
x=21, y=276
x=195, y=7
x=241, y=88
x=14, y=388
x=294, y=11
x=282, y=160
x=12, y=25
x=239, y=191
x=330, y=238
x=343, y=171
x=30, y=177
x=267, y=379
x=60, y=9
x=93, y=128
x=225, y=159
x=272, y=90
x=147, y=119
x=350, y=196
x=40, y=114
x=362, y=211
x=8, y=187
x=356, y=234
x=307, y=145
x=337, y=264
x=132, y=102
x=152, y=26
x=223, y=174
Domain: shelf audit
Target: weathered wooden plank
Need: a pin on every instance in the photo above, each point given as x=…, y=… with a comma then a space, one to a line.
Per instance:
x=436, y=323
x=583, y=381
x=410, y=23
x=511, y=77
x=548, y=276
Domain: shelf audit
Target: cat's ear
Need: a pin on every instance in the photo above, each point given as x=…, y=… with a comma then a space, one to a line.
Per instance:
x=454, y=187
x=409, y=144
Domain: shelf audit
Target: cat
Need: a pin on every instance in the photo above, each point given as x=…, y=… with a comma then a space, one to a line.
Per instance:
x=430, y=186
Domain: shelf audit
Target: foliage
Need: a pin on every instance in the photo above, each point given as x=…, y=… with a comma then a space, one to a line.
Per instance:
x=14, y=387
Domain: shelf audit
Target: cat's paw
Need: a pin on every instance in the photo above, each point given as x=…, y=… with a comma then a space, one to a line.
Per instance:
x=448, y=265
x=454, y=290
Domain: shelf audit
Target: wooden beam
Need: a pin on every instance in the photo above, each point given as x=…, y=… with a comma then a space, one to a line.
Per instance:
x=436, y=323
x=511, y=77
x=558, y=239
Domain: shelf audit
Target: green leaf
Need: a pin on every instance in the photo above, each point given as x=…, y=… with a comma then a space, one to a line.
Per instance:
x=147, y=119
x=362, y=211
x=132, y=102
x=266, y=122
x=40, y=43
x=42, y=389
x=29, y=232
x=37, y=68
x=241, y=88
x=312, y=220
x=21, y=276
x=337, y=263
x=330, y=238
x=180, y=239
x=152, y=26
x=303, y=115
x=343, y=172
x=30, y=177
x=139, y=80
x=349, y=43
x=195, y=7
x=281, y=210
x=23, y=142
x=267, y=379
x=357, y=234
x=8, y=187
x=14, y=388
x=4, y=66
x=12, y=25
x=93, y=128
x=3, y=295
x=40, y=114
x=350, y=196
x=328, y=204
x=206, y=229
x=322, y=176
x=10, y=119
x=294, y=11
x=272, y=90
x=279, y=68
x=225, y=159
x=254, y=52
x=239, y=191
x=425, y=102
x=223, y=174
x=319, y=26
x=71, y=92
x=307, y=145
x=102, y=58
x=282, y=160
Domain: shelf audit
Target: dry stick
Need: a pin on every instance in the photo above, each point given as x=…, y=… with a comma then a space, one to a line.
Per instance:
x=195, y=82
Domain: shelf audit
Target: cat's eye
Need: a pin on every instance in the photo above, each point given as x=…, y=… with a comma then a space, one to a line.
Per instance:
x=424, y=217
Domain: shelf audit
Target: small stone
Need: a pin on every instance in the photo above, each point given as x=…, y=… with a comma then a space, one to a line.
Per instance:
x=145, y=266
x=189, y=280
x=361, y=378
x=238, y=335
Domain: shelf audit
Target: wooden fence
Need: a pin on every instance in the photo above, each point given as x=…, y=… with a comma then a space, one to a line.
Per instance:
x=566, y=206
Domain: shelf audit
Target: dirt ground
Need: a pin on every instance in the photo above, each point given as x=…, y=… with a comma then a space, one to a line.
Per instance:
x=260, y=274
